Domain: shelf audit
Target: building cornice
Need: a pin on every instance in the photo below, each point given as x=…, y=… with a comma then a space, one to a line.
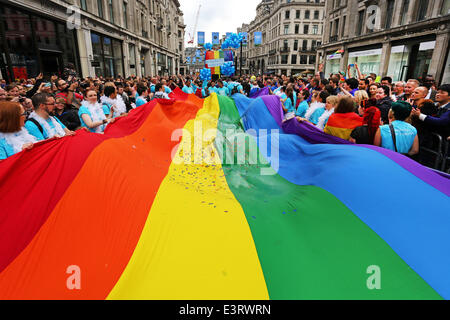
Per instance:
x=417, y=29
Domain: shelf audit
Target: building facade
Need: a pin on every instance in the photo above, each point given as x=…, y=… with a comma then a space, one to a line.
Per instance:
x=108, y=38
x=291, y=32
x=195, y=60
x=402, y=39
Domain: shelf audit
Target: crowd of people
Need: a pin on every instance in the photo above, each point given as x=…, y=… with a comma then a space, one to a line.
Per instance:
x=405, y=117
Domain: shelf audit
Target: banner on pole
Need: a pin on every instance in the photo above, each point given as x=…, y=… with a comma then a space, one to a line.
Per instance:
x=215, y=38
x=201, y=38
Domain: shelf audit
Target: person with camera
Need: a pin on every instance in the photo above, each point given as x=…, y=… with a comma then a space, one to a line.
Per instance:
x=66, y=89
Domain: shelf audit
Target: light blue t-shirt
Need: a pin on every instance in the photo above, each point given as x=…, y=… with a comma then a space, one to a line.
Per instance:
x=223, y=91
x=289, y=105
x=212, y=89
x=404, y=134
x=166, y=90
x=140, y=102
x=302, y=108
x=85, y=110
x=233, y=85
x=6, y=150
x=316, y=115
x=106, y=108
x=34, y=130
x=188, y=90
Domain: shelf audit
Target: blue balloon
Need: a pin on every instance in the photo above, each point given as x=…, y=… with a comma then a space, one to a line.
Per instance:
x=227, y=69
x=233, y=41
x=208, y=46
x=205, y=74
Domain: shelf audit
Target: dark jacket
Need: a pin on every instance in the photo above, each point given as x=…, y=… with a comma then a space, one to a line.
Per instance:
x=441, y=123
x=70, y=118
x=385, y=105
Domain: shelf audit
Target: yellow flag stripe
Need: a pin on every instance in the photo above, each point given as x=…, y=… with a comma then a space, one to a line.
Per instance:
x=196, y=244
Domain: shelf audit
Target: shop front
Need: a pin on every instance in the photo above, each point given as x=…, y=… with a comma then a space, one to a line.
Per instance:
x=108, y=56
x=368, y=60
x=333, y=63
x=411, y=60
x=32, y=44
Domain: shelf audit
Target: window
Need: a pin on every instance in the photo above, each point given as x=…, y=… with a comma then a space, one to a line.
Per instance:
x=294, y=59
x=295, y=45
x=297, y=14
x=100, y=8
x=111, y=11
x=83, y=5
x=312, y=59
x=360, y=22
x=389, y=13
x=305, y=45
x=284, y=59
x=108, y=56
x=404, y=13
x=286, y=29
x=306, y=29
x=132, y=53
x=303, y=59
x=343, y=26
x=297, y=27
x=315, y=29
x=307, y=14
x=445, y=8
x=287, y=14
x=125, y=14
x=422, y=12
x=316, y=15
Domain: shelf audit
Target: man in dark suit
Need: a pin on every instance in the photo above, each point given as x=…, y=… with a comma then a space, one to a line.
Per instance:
x=440, y=123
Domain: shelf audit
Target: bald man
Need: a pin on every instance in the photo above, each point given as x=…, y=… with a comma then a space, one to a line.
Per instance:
x=418, y=96
x=426, y=107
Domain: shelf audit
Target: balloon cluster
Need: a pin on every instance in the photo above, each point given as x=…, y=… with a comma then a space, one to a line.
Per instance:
x=227, y=69
x=205, y=74
x=233, y=41
x=208, y=46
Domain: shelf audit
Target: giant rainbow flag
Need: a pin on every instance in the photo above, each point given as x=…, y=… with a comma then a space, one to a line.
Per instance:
x=150, y=210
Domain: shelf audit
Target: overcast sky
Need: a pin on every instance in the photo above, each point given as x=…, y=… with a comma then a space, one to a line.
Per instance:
x=217, y=15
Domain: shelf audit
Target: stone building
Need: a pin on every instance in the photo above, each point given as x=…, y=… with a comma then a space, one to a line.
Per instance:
x=399, y=38
x=291, y=32
x=100, y=37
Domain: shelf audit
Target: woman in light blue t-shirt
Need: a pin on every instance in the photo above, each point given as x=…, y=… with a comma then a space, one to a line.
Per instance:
x=13, y=136
x=406, y=139
x=92, y=114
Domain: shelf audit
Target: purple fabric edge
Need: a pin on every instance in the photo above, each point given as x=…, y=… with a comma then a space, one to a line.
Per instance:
x=273, y=104
x=263, y=92
x=316, y=136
